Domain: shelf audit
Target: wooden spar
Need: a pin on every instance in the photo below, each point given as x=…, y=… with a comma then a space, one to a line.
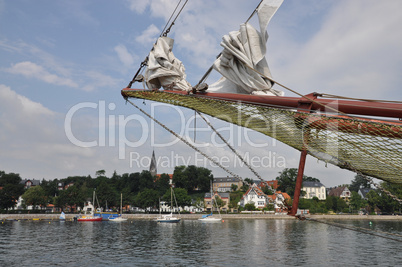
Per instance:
x=309, y=103
x=304, y=107
x=364, y=108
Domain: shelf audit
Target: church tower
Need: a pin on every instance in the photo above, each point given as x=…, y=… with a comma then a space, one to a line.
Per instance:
x=152, y=166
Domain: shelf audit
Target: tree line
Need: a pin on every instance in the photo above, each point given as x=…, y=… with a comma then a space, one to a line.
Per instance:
x=139, y=189
x=143, y=190
x=376, y=200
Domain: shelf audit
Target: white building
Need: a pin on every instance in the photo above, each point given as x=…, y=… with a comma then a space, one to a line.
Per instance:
x=314, y=189
x=254, y=195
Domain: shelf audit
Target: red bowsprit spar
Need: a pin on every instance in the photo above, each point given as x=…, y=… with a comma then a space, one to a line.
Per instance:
x=358, y=135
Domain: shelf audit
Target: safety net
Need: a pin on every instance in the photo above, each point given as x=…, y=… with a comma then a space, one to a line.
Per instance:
x=369, y=147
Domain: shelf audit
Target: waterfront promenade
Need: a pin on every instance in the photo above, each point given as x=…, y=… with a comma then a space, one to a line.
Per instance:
x=55, y=217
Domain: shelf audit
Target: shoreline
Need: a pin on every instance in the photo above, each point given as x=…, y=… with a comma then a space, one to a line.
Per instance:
x=151, y=217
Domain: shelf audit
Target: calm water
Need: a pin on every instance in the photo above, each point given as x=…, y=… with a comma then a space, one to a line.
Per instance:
x=192, y=243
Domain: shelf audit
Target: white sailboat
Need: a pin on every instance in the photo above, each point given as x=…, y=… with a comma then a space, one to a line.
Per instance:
x=168, y=218
x=210, y=217
x=119, y=218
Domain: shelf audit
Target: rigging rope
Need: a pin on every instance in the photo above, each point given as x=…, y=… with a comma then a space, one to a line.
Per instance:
x=164, y=33
x=185, y=141
x=231, y=148
x=359, y=99
x=359, y=229
x=372, y=155
x=209, y=158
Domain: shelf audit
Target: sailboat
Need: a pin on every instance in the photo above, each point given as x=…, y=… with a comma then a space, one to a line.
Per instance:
x=62, y=216
x=210, y=217
x=168, y=218
x=119, y=218
x=91, y=217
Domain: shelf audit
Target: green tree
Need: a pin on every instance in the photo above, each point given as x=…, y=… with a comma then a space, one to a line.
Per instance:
x=181, y=196
x=73, y=196
x=147, y=198
x=12, y=189
x=50, y=187
x=267, y=190
x=199, y=203
x=107, y=196
x=356, y=201
x=341, y=204
x=233, y=187
x=146, y=181
x=204, y=178
x=250, y=206
x=380, y=199
x=35, y=196
x=246, y=185
x=219, y=202
x=358, y=182
x=331, y=203
x=100, y=173
x=179, y=177
x=287, y=180
x=162, y=183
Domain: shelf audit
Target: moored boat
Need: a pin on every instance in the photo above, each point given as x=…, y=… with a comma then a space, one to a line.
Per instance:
x=119, y=218
x=168, y=218
x=90, y=216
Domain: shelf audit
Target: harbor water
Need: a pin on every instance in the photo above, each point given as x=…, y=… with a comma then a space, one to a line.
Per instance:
x=236, y=242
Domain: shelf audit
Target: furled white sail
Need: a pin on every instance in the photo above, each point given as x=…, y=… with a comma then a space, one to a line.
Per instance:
x=164, y=69
x=243, y=53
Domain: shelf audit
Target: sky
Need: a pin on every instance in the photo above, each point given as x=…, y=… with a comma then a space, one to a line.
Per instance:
x=64, y=63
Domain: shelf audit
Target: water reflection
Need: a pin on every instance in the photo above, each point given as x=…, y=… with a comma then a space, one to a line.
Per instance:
x=232, y=243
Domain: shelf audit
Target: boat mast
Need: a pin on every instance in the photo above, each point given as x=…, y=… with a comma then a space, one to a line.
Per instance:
x=171, y=196
x=93, y=203
x=212, y=200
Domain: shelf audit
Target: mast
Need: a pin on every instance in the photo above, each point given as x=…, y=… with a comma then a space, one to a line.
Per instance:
x=121, y=203
x=93, y=203
x=171, y=196
x=212, y=200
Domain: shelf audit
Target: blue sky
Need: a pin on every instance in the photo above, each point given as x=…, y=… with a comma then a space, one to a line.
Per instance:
x=63, y=64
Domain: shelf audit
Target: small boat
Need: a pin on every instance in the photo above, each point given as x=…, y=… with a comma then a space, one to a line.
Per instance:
x=62, y=216
x=91, y=216
x=168, y=218
x=210, y=217
x=118, y=218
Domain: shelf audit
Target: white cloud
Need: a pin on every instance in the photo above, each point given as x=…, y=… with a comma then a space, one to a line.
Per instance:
x=354, y=53
x=97, y=79
x=149, y=35
x=32, y=70
x=125, y=57
x=20, y=102
x=138, y=6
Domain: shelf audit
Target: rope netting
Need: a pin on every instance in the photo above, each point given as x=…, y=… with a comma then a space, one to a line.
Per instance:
x=369, y=147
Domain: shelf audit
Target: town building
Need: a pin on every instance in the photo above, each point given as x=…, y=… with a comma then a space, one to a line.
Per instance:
x=224, y=184
x=209, y=206
x=363, y=192
x=255, y=195
x=314, y=189
x=279, y=200
x=340, y=191
x=28, y=183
